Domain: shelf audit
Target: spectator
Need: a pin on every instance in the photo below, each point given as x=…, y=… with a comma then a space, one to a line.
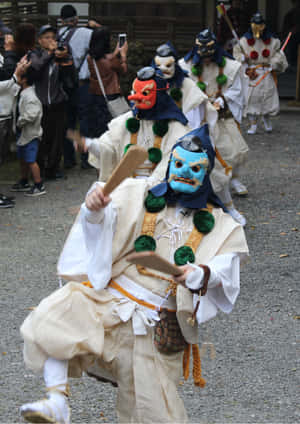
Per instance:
x=3, y=31
x=15, y=48
x=93, y=23
x=8, y=94
x=28, y=115
x=49, y=69
x=110, y=66
x=78, y=39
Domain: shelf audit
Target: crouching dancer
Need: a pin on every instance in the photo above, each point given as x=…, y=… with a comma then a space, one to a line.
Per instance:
x=114, y=319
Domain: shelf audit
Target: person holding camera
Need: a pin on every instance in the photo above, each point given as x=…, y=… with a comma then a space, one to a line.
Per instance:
x=78, y=40
x=51, y=68
x=108, y=67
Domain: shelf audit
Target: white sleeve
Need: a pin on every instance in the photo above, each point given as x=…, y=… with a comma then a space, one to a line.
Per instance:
x=223, y=287
x=235, y=98
x=87, y=252
x=93, y=146
x=98, y=231
x=196, y=116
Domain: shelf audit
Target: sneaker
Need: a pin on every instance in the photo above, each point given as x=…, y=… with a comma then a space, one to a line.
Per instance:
x=20, y=186
x=238, y=187
x=10, y=198
x=5, y=203
x=36, y=191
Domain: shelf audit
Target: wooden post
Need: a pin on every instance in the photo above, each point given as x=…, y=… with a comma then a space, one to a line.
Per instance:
x=298, y=76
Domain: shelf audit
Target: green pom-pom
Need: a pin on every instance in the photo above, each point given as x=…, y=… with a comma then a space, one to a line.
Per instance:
x=176, y=94
x=154, y=204
x=154, y=155
x=221, y=79
x=201, y=85
x=144, y=243
x=223, y=62
x=160, y=128
x=197, y=70
x=204, y=221
x=133, y=125
x=183, y=255
x=127, y=147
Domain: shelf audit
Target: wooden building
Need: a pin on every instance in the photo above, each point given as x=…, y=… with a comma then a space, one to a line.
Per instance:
x=149, y=21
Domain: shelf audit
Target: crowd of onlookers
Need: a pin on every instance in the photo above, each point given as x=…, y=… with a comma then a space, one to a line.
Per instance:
x=49, y=82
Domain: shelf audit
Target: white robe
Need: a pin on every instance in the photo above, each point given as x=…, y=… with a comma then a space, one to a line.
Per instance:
x=228, y=138
x=84, y=325
x=263, y=98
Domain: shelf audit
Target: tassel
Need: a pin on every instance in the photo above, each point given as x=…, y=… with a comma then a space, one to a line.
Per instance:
x=186, y=362
x=198, y=379
x=223, y=162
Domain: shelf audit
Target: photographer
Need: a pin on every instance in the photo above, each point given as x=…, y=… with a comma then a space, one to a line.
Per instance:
x=109, y=66
x=51, y=69
x=15, y=47
x=78, y=39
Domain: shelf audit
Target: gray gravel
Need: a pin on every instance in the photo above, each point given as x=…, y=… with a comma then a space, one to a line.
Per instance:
x=253, y=378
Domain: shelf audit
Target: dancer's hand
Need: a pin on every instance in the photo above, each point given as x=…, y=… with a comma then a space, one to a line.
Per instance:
x=97, y=200
x=78, y=140
x=181, y=279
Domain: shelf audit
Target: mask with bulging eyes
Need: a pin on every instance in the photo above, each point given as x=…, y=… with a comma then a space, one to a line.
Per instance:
x=257, y=29
x=166, y=65
x=187, y=170
x=144, y=94
x=205, y=49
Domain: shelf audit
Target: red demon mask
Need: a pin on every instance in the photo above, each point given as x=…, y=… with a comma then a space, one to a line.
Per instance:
x=144, y=95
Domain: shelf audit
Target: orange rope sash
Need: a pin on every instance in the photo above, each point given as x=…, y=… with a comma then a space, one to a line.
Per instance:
x=125, y=293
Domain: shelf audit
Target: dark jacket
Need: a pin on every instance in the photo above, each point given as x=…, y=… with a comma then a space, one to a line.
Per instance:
x=11, y=59
x=49, y=77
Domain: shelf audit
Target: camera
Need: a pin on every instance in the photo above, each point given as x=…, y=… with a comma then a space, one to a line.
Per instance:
x=122, y=39
x=61, y=46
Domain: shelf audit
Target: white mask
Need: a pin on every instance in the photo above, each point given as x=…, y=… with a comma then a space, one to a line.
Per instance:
x=166, y=65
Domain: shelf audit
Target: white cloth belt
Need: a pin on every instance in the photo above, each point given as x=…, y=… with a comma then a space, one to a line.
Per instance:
x=142, y=316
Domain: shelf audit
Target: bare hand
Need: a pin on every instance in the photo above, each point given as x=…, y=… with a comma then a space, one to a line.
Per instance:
x=52, y=45
x=96, y=200
x=180, y=279
x=78, y=140
x=123, y=50
x=21, y=68
x=9, y=42
x=217, y=105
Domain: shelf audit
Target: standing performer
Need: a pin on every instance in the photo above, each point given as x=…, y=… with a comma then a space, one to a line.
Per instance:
x=183, y=90
x=118, y=317
x=263, y=59
x=154, y=124
x=219, y=76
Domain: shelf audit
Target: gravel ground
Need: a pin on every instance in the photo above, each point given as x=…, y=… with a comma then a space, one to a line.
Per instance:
x=253, y=376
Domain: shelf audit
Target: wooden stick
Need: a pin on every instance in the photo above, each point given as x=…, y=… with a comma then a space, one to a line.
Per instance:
x=134, y=157
x=286, y=41
x=152, y=260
